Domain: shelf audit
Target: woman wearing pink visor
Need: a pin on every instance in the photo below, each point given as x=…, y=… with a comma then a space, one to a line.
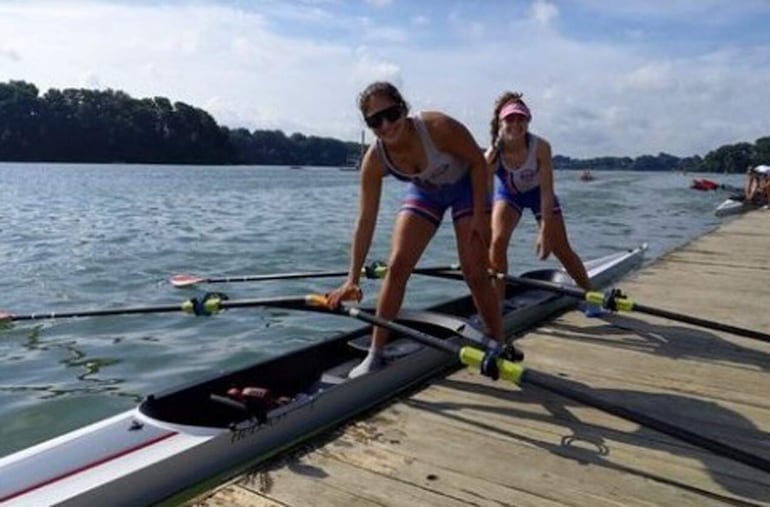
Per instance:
x=521, y=161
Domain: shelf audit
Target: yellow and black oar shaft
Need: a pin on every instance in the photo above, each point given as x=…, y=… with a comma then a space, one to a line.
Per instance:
x=614, y=300
x=507, y=370
x=489, y=362
x=518, y=374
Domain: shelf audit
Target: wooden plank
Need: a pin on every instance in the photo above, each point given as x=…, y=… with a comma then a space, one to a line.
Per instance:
x=552, y=421
x=233, y=495
x=348, y=472
x=701, y=367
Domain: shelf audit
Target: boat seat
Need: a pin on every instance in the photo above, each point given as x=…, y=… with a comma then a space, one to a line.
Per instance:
x=336, y=375
x=331, y=379
x=339, y=373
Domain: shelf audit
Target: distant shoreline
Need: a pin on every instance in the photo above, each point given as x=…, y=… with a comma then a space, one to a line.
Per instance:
x=82, y=126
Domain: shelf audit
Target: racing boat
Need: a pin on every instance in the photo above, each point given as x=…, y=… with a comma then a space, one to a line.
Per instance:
x=180, y=441
x=735, y=205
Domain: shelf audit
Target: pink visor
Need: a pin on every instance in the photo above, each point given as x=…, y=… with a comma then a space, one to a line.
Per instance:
x=515, y=108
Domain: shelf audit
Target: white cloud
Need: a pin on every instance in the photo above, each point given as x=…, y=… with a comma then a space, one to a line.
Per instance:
x=259, y=69
x=371, y=69
x=544, y=12
x=90, y=80
x=654, y=77
x=386, y=34
x=9, y=54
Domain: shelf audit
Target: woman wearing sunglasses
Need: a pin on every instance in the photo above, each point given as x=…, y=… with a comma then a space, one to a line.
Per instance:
x=444, y=168
x=522, y=163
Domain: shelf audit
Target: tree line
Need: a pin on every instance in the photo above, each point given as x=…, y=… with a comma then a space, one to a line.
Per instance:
x=105, y=126
x=730, y=158
x=80, y=125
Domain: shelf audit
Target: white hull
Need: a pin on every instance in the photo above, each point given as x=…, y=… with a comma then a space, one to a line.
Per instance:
x=136, y=459
x=732, y=207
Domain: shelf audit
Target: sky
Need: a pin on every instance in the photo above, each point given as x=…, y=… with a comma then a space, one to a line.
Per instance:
x=602, y=77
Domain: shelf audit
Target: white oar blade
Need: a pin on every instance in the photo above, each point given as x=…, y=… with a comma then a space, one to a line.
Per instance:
x=180, y=281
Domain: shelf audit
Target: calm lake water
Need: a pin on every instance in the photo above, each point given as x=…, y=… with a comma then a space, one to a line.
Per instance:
x=77, y=237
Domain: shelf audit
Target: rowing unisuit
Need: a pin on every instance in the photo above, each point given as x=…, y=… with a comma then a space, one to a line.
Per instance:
x=444, y=183
x=525, y=177
x=441, y=170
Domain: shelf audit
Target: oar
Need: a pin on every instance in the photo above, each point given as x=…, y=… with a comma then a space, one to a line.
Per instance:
x=374, y=270
x=207, y=305
x=614, y=300
x=497, y=367
x=488, y=362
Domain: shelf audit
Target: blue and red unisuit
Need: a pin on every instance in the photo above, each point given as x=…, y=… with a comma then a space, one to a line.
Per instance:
x=519, y=187
x=444, y=183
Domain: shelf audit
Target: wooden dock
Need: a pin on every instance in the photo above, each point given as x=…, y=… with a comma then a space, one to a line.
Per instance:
x=465, y=440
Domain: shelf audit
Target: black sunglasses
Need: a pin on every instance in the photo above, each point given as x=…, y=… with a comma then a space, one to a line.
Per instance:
x=391, y=114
